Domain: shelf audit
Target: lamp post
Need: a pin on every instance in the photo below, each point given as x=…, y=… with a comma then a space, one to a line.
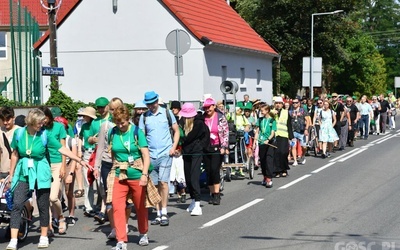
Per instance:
x=312, y=46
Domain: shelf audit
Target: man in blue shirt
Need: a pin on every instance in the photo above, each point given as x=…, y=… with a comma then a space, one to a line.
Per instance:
x=162, y=134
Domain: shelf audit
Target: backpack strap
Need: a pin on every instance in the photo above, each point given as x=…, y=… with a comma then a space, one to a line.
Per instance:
x=7, y=145
x=20, y=131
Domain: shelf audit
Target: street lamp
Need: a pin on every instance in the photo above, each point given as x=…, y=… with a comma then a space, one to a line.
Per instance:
x=312, y=46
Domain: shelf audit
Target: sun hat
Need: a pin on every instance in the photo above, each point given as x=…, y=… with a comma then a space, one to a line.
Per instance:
x=150, y=97
x=101, y=102
x=188, y=110
x=175, y=105
x=89, y=111
x=278, y=99
x=140, y=105
x=56, y=111
x=208, y=102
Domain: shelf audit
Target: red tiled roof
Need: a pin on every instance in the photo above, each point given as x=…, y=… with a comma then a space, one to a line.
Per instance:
x=217, y=21
x=38, y=13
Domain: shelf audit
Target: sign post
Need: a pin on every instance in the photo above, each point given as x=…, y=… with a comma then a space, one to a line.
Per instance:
x=178, y=43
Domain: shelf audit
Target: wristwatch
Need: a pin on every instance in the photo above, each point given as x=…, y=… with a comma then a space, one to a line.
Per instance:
x=71, y=173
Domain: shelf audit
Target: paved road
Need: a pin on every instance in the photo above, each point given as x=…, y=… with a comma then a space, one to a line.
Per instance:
x=349, y=201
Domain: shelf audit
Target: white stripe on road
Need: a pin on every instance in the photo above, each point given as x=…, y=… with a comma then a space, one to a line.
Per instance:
x=231, y=213
x=356, y=153
x=323, y=167
x=380, y=139
x=161, y=248
x=295, y=181
x=343, y=155
x=385, y=139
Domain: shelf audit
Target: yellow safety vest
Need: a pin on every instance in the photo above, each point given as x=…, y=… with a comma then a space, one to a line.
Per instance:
x=281, y=124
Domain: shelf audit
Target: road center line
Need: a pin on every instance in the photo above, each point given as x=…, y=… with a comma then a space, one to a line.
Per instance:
x=386, y=139
x=377, y=141
x=356, y=153
x=231, y=213
x=160, y=248
x=343, y=155
x=295, y=181
x=323, y=167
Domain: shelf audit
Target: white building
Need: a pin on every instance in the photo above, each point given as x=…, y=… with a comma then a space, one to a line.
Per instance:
x=124, y=54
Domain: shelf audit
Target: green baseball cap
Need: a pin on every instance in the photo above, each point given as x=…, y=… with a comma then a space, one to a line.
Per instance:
x=101, y=102
x=56, y=112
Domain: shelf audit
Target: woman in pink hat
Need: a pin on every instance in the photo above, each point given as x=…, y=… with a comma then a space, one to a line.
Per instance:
x=192, y=147
x=219, y=138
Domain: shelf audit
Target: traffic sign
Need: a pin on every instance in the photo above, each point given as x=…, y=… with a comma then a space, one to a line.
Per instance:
x=52, y=71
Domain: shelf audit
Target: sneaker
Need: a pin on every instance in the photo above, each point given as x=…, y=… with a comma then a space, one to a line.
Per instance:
x=12, y=245
x=120, y=246
x=54, y=223
x=70, y=221
x=295, y=163
x=196, y=211
x=144, y=240
x=217, y=199
x=43, y=242
x=156, y=221
x=100, y=218
x=240, y=174
x=183, y=198
x=269, y=184
x=303, y=161
x=112, y=235
x=263, y=182
x=211, y=200
x=190, y=207
x=164, y=220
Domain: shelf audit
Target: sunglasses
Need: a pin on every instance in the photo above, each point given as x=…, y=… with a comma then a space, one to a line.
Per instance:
x=295, y=102
x=319, y=102
x=349, y=101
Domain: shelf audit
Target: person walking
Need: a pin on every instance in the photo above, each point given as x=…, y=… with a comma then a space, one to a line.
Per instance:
x=192, y=148
x=162, y=134
x=265, y=137
x=131, y=160
x=30, y=170
x=383, y=113
x=327, y=133
x=284, y=134
x=219, y=138
x=366, y=115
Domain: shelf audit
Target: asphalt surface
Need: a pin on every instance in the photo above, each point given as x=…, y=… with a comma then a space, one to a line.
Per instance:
x=349, y=201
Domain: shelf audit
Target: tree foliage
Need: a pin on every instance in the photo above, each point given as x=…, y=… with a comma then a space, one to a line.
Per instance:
x=351, y=60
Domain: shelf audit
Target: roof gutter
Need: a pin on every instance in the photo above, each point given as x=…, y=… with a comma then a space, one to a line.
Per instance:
x=208, y=43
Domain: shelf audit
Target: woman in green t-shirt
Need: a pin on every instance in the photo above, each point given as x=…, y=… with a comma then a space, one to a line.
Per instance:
x=58, y=165
x=30, y=170
x=131, y=162
x=264, y=136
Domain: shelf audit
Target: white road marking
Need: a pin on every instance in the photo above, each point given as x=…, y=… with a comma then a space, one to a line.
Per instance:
x=295, y=181
x=385, y=139
x=161, y=248
x=231, y=213
x=380, y=139
x=343, y=155
x=356, y=153
x=323, y=167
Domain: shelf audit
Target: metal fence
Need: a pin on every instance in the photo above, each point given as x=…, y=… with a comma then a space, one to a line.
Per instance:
x=24, y=83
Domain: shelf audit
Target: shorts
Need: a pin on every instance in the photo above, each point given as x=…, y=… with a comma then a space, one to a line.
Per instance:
x=162, y=169
x=301, y=138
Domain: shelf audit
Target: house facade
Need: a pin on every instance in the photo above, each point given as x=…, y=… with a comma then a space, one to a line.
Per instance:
x=120, y=51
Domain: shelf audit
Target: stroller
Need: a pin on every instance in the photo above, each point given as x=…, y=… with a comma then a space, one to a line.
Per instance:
x=5, y=214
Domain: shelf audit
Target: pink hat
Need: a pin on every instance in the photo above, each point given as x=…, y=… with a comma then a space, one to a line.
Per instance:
x=188, y=110
x=208, y=102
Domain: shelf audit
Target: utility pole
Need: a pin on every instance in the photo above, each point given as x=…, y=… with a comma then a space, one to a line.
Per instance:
x=53, y=43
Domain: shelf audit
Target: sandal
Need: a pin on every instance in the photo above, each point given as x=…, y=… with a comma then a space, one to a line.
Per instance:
x=79, y=193
x=62, y=226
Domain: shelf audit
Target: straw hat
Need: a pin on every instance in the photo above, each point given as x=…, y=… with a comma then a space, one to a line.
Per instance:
x=88, y=111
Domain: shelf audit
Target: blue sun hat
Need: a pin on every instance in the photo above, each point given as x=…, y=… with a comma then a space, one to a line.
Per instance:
x=140, y=105
x=150, y=97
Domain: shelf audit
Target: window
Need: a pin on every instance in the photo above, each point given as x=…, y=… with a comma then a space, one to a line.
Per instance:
x=3, y=45
x=242, y=76
x=258, y=77
x=224, y=73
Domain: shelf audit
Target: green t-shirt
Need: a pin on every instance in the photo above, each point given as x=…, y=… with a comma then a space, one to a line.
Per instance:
x=70, y=131
x=265, y=127
x=85, y=134
x=58, y=132
x=34, y=144
x=124, y=145
x=96, y=124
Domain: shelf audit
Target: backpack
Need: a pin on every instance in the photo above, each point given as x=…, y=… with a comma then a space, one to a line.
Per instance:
x=43, y=137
